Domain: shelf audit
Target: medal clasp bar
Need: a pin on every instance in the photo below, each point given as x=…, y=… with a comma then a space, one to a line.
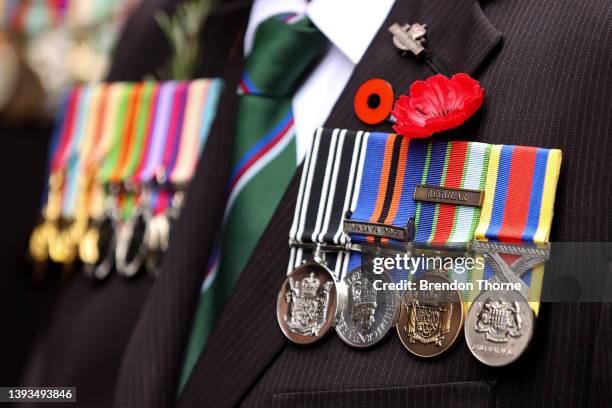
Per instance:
x=402, y=235
x=319, y=247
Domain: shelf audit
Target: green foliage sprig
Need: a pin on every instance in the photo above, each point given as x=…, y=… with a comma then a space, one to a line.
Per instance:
x=182, y=30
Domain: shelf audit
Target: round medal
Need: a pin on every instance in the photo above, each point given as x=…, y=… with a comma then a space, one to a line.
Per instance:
x=104, y=252
x=62, y=246
x=368, y=313
x=431, y=317
x=307, y=303
x=39, y=242
x=88, y=247
x=131, y=247
x=156, y=239
x=498, y=327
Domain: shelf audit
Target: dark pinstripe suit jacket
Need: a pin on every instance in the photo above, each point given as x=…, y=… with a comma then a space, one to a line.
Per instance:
x=545, y=65
x=85, y=326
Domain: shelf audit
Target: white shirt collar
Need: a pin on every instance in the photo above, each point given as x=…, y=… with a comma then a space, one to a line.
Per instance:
x=349, y=24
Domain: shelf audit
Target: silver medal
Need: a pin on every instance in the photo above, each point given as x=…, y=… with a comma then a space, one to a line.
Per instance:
x=131, y=246
x=156, y=239
x=369, y=310
x=307, y=303
x=104, y=246
x=500, y=324
x=499, y=327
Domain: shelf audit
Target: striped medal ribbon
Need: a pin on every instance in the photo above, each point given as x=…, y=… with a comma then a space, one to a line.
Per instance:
x=63, y=248
x=95, y=247
x=81, y=192
x=120, y=204
x=431, y=320
x=199, y=112
x=130, y=246
x=129, y=254
x=92, y=206
x=512, y=236
x=448, y=228
x=331, y=176
x=98, y=246
x=517, y=215
x=164, y=168
x=356, y=196
x=387, y=216
x=319, y=259
x=51, y=203
x=113, y=145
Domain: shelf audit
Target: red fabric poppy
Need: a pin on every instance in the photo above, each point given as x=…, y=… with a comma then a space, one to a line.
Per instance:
x=437, y=104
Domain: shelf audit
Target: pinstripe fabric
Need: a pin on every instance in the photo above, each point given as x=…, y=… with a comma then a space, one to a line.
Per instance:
x=547, y=85
x=85, y=326
x=259, y=338
x=153, y=363
x=474, y=395
x=602, y=365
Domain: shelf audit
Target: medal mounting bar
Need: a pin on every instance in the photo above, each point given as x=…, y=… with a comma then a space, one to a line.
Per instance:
x=402, y=235
x=529, y=256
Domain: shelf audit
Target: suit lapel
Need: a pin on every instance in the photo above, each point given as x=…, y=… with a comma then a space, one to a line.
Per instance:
x=247, y=338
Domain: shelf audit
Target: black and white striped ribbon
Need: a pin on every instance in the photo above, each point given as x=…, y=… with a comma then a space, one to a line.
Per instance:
x=331, y=176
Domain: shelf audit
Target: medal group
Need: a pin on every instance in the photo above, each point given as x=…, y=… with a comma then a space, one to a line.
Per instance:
x=119, y=161
x=366, y=194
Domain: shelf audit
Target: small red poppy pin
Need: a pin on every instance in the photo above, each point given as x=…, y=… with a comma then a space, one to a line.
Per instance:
x=437, y=104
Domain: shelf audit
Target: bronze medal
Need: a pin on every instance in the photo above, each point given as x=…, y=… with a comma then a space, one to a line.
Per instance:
x=39, y=242
x=62, y=246
x=45, y=233
x=88, y=247
x=431, y=319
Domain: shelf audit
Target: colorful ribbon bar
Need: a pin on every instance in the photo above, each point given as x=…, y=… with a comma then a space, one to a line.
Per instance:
x=124, y=135
x=372, y=178
x=519, y=194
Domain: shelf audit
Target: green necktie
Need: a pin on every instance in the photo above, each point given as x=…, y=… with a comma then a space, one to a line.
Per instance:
x=263, y=159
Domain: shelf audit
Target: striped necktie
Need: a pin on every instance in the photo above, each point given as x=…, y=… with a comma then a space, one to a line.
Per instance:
x=263, y=159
